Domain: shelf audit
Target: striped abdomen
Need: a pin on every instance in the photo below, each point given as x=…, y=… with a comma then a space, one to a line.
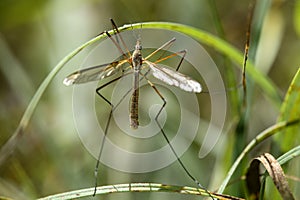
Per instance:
x=134, y=109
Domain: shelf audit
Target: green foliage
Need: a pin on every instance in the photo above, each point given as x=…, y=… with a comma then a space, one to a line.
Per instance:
x=290, y=110
x=44, y=155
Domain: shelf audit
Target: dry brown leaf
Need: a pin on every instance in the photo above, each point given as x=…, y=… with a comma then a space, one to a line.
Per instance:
x=276, y=173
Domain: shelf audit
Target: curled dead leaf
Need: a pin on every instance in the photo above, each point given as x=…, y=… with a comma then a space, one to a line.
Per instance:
x=276, y=173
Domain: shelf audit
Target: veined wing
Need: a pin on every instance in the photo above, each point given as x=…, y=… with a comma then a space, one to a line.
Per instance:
x=94, y=73
x=175, y=78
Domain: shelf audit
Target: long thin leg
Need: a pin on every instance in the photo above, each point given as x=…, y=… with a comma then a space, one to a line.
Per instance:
x=105, y=130
x=113, y=107
x=167, y=139
x=115, y=27
x=181, y=60
x=125, y=56
x=115, y=40
x=107, y=123
x=167, y=44
x=156, y=119
x=167, y=57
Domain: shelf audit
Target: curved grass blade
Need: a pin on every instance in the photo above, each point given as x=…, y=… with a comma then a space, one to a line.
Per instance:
x=266, y=85
x=10, y=145
x=138, y=187
x=275, y=172
x=202, y=36
x=258, y=139
x=222, y=46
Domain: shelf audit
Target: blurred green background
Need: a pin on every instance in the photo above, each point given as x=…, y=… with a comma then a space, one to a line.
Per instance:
x=36, y=34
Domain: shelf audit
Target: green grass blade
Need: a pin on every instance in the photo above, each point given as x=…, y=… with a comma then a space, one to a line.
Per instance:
x=136, y=187
x=290, y=110
x=202, y=36
x=297, y=17
x=10, y=145
x=206, y=38
x=223, y=47
x=294, y=152
x=258, y=139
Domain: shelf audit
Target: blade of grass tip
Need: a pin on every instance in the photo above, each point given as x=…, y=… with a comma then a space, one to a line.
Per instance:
x=257, y=140
x=222, y=46
x=246, y=51
x=290, y=109
x=10, y=145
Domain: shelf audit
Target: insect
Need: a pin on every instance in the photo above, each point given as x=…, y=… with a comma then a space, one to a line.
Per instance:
x=139, y=67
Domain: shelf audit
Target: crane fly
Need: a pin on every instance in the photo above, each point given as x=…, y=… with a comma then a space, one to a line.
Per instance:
x=136, y=64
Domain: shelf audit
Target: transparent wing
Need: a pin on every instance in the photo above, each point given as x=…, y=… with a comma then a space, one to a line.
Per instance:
x=94, y=73
x=175, y=78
